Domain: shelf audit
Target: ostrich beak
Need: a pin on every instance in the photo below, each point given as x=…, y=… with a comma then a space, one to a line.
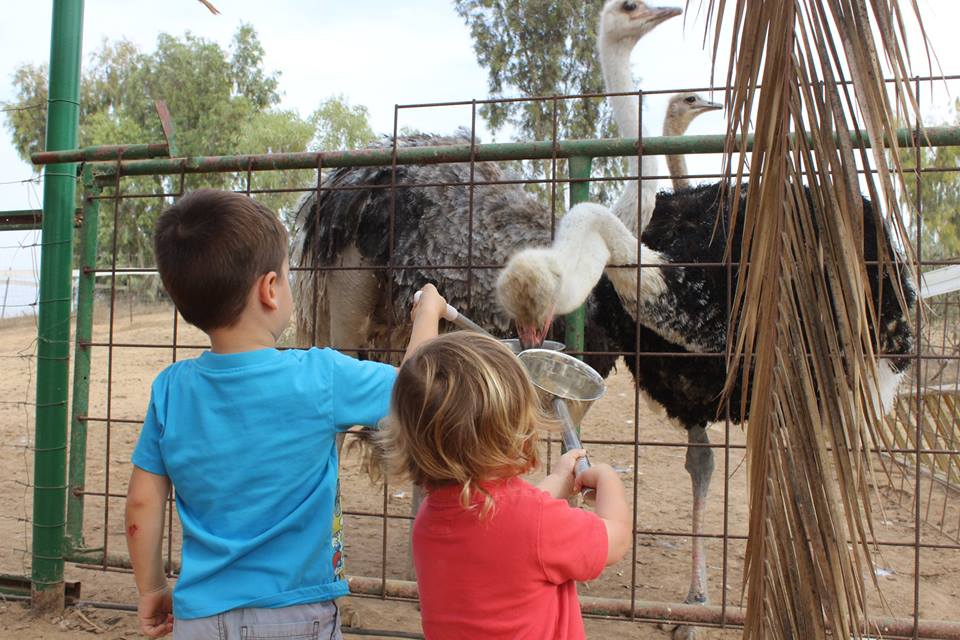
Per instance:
x=531, y=337
x=708, y=106
x=662, y=14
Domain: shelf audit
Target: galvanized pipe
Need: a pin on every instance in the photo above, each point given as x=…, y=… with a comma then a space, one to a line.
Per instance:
x=541, y=150
x=53, y=334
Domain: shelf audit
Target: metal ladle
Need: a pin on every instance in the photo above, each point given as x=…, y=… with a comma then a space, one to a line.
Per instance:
x=566, y=384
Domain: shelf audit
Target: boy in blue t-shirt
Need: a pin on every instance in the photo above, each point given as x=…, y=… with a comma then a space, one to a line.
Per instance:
x=246, y=435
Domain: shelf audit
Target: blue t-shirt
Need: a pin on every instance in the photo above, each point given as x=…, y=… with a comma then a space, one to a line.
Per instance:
x=248, y=441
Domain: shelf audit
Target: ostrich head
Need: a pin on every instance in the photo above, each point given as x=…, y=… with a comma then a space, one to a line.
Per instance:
x=630, y=20
x=684, y=107
x=527, y=289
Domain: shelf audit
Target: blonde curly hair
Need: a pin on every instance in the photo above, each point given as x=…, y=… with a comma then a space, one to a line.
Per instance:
x=463, y=411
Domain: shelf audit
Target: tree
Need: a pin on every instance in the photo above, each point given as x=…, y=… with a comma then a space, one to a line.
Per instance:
x=221, y=102
x=939, y=198
x=341, y=126
x=542, y=48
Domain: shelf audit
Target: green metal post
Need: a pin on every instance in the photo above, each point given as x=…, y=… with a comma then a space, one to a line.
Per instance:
x=53, y=336
x=81, y=364
x=579, y=170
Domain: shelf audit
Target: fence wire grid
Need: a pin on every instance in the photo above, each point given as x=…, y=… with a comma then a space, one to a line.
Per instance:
x=127, y=332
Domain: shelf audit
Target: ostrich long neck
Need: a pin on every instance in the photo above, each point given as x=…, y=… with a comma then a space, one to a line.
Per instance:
x=615, y=63
x=676, y=164
x=589, y=240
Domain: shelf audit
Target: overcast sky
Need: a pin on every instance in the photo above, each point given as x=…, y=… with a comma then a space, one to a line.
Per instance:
x=377, y=53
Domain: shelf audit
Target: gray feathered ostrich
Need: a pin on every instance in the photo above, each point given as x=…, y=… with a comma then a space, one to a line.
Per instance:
x=356, y=308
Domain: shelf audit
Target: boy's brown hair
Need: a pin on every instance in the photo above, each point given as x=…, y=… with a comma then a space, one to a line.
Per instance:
x=211, y=247
x=463, y=410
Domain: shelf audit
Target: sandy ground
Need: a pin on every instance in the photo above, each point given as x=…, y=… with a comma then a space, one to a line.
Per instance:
x=659, y=486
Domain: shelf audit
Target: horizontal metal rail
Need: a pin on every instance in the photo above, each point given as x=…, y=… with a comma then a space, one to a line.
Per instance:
x=29, y=219
x=676, y=613
x=103, y=152
x=543, y=150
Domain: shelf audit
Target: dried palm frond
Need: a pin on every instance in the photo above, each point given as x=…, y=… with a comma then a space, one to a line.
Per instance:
x=802, y=311
x=210, y=6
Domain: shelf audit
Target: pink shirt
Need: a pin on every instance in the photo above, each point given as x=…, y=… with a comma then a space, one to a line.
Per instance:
x=509, y=575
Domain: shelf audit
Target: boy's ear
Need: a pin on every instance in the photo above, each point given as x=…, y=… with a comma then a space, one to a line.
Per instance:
x=267, y=286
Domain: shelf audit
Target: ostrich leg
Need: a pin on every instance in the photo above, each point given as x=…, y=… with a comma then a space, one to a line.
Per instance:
x=700, y=466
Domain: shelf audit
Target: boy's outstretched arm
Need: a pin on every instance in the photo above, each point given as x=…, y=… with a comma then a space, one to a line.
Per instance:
x=146, y=498
x=426, y=316
x=611, y=507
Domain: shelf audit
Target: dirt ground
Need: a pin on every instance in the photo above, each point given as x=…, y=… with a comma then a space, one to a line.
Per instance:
x=659, y=570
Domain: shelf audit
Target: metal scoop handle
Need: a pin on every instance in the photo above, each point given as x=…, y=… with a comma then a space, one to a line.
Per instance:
x=452, y=315
x=572, y=441
x=569, y=434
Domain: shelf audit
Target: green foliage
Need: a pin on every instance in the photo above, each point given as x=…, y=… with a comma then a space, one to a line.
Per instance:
x=939, y=199
x=341, y=126
x=221, y=102
x=541, y=48
x=28, y=123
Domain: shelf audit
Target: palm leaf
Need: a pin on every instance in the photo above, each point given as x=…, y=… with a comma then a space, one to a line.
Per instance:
x=802, y=73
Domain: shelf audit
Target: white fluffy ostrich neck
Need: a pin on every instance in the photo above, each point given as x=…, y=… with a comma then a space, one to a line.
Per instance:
x=538, y=283
x=589, y=240
x=615, y=64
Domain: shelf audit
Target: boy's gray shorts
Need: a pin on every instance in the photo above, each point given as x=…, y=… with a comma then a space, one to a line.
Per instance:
x=314, y=621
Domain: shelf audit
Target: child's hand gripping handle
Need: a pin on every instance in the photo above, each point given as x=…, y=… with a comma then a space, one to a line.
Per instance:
x=457, y=318
x=571, y=440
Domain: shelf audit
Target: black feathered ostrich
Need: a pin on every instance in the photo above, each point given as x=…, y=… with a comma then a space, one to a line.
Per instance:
x=679, y=310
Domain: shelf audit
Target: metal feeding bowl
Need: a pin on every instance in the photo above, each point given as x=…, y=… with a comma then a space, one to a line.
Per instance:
x=557, y=375
x=550, y=345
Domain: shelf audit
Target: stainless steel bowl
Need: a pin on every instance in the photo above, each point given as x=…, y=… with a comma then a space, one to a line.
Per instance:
x=550, y=345
x=557, y=375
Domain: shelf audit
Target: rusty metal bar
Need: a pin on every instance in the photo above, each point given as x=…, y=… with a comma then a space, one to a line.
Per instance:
x=102, y=153
x=544, y=150
x=166, y=123
x=581, y=96
x=649, y=610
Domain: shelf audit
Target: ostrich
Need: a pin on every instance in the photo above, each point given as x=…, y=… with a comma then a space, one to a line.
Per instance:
x=355, y=309
x=622, y=24
x=681, y=110
x=355, y=207
x=682, y=310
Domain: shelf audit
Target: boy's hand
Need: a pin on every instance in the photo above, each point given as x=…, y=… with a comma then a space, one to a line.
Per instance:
x=430, y=302
x=155, y=613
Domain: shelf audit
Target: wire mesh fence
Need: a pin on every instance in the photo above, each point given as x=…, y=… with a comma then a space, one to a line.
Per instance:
x=18, y=355
x=127, y=332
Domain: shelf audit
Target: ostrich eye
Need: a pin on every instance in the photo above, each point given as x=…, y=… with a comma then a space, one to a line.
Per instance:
x=690, y=99
x=629, y=6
